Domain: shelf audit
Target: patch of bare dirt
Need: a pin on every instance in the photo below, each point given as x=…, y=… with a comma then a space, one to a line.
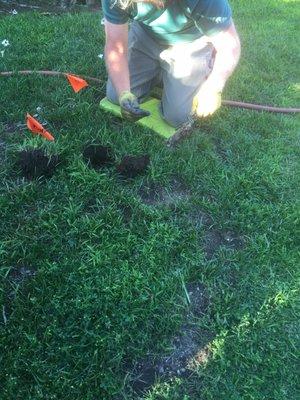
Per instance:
x=215, y=239
x=190, y=348
x=13, y=127
x=155, y=194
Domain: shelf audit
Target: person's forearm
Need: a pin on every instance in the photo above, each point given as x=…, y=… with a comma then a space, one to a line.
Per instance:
x=117, y=67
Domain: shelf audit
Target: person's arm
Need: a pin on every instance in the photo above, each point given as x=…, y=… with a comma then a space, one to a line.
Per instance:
x=116, y=58
x=228, y=49
x=116, y=47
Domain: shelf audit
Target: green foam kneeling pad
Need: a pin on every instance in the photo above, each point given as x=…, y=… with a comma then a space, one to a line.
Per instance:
x=154, y=121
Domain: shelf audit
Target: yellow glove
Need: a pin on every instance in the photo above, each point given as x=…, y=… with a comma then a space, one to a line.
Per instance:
x=130, y=108
x=207, y=101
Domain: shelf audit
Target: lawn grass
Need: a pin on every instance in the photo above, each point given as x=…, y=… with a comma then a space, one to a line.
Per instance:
x=108, y=270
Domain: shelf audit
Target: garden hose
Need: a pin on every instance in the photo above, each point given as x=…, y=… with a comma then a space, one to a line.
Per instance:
x=230, y=103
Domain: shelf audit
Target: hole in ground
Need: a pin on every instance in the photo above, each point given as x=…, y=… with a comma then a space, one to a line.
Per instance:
x=97, y=156
x=36, y=164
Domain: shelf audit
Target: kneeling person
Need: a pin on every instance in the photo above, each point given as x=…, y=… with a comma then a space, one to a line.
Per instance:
x=190, y=47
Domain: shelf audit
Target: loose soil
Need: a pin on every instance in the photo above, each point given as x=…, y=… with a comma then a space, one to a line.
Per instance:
x=36, y=164
x=132, y=166
x=98, y=156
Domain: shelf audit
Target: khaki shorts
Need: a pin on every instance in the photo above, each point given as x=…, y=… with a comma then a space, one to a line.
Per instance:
x=180, y=69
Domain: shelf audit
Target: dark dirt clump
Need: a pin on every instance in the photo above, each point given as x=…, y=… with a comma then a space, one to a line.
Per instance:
x=98, y=156
x=131, y=166
x=36, y=164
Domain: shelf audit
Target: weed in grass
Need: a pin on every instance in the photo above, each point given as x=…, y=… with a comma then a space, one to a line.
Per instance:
x=36, y=164
x=98, y=156
x=132, y=166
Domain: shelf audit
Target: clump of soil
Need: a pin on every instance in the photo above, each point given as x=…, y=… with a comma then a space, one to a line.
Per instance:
x=36, y=164
x=132, y=166
x=98, y=156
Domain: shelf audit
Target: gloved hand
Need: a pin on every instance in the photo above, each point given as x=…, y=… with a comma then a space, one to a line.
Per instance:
x=207, y=100
x=130, y=108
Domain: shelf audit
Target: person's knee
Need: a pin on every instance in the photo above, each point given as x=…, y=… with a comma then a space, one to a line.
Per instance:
x=111, y=93
x=175, y=117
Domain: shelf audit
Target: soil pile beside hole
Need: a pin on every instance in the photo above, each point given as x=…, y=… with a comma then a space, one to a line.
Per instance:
x=132, y=166
x=36, y=164
x=97, y=156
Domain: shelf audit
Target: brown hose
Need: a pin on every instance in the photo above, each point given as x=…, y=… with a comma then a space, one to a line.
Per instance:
x=52, y=73
x=230, y=103
x=259, y=107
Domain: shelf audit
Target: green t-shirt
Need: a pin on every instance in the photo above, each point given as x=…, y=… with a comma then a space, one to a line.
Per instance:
x=179, y=21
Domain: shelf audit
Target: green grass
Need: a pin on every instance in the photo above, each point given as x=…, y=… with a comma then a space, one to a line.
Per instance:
x=108, y=289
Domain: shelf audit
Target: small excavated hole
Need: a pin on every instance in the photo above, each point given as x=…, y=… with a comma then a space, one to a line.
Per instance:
x=36, y=164
x=98, y=156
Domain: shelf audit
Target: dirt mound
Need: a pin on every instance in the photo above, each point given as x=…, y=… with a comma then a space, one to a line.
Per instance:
x=132, y=166
x=36, y=164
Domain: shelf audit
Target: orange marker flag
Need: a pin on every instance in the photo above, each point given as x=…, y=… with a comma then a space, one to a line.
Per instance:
x=36, y=127
x=76, y=82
